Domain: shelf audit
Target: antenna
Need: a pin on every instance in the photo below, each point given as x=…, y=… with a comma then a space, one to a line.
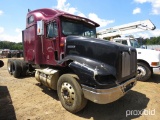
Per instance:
x=29, y=10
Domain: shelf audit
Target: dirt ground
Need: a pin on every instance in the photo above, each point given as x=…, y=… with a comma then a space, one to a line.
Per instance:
x=24, y=99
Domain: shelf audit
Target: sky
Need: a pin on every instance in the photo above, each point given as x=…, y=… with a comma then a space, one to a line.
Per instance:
x=108, y=13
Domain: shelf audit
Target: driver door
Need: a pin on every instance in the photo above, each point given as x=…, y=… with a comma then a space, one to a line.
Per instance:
x=52, y=42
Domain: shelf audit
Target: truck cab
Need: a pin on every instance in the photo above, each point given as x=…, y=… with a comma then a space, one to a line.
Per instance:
x=46, y=31
x=148, y=60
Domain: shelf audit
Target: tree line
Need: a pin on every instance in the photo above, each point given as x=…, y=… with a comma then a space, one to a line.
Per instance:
x=11, y=45
x=148, y=41
x=152, y=41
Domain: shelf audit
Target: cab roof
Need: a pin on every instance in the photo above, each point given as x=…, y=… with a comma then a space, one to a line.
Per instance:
x=49, y=14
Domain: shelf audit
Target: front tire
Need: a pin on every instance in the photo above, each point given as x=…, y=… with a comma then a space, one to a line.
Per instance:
x=143, y=72
x=70, y=93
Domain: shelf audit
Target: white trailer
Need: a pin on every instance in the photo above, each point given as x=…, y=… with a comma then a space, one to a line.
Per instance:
x=148, y=61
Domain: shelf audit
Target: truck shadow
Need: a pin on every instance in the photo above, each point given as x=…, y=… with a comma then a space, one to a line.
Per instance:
x=118, y=110
x=155, y=78
x=133, y=100
x=50, y=92
x=7, y=111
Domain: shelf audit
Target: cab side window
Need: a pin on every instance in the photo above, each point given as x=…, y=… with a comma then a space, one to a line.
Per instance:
x=124, y=42
x=52, y=30
x=118, y=41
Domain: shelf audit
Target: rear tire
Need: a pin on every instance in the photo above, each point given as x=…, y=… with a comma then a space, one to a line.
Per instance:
x=9, y=66
x=70, y=93
x=144, y=71
x=16, y=69
x=24, y=68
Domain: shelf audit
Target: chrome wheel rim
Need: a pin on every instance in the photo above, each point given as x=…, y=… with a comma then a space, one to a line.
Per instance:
x=68, y=93
x=141, y=71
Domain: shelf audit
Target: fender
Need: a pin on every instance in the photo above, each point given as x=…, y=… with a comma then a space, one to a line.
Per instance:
x=90, y=71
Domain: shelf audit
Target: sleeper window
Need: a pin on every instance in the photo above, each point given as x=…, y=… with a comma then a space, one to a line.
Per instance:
x=30, y=19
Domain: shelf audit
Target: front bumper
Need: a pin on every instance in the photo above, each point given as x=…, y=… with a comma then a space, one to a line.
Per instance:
x=104, y=96
x=156, y=70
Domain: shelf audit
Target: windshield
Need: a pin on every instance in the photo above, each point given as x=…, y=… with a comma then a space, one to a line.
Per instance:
x=75, y=28
x=134, y=43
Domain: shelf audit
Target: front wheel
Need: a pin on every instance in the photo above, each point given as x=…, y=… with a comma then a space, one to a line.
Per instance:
x=70, y=93
x=143, y=72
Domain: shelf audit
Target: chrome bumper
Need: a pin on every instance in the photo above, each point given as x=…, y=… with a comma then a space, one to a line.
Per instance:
x=104, y=96
x=156, y=70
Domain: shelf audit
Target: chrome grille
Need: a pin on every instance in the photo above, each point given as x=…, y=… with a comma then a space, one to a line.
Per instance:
x=129, y=63
x=126, y=64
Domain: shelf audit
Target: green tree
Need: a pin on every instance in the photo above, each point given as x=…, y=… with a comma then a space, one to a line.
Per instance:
x=11, y=45
x=153, y=41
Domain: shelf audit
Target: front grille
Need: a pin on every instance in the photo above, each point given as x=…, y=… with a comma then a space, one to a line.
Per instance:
x=126, y=64
x=133, y=61
x=129, y=64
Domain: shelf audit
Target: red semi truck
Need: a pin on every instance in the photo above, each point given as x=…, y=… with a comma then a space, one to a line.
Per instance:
x=65, y=55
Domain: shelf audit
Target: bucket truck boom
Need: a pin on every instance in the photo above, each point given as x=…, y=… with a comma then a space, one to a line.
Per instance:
x=138, y=26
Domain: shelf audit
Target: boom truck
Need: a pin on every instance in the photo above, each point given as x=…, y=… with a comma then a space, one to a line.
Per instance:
x=63, y=51
x=148, y=61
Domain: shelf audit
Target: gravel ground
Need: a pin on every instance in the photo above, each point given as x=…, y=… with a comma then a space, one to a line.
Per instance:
x=24, y=99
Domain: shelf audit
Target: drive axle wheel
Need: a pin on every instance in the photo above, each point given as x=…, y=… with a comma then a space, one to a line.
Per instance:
x=16, y=69
x=9, y=65
x=143, y=72
x=70, y=93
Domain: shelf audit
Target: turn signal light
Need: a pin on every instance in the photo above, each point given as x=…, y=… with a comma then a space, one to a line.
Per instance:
x=155, y=63
x=62, y=45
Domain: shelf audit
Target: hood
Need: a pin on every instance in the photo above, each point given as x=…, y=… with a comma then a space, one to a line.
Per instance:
x=120, y=58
